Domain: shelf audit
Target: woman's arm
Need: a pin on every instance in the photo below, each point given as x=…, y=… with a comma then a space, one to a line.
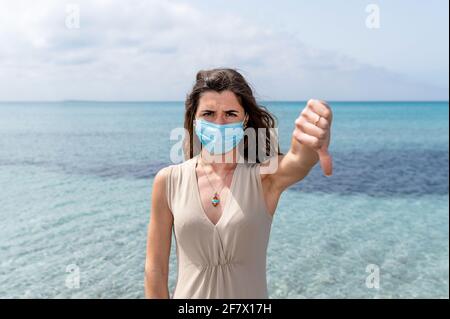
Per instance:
x=309, y=144
x=158, y=241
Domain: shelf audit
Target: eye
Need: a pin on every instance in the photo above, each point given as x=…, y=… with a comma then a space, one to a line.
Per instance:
x=231, y=114
x=207, y=113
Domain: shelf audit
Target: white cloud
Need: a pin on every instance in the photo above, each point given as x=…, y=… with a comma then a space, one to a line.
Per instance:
x=152, y=50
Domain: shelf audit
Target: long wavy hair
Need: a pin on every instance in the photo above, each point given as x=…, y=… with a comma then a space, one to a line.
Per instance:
x=222, y=79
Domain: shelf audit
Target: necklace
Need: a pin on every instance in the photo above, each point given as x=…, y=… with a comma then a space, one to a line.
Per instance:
x=215, y=200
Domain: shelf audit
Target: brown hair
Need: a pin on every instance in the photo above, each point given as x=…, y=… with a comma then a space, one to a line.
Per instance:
x=220, y=80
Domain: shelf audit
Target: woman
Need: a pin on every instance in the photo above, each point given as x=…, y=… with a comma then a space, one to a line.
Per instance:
x=220, y=211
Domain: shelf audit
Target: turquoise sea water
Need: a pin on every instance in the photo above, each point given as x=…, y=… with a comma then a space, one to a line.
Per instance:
x=76, y=179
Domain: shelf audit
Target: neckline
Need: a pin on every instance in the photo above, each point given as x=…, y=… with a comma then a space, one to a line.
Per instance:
x=199, y=199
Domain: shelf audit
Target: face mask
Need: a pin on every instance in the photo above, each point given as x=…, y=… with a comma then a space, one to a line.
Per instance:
x=219, y=138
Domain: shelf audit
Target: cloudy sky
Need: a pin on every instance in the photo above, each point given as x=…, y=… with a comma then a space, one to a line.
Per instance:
x=287, y=49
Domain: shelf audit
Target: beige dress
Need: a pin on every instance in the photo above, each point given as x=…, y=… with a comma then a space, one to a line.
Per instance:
x=228, y=259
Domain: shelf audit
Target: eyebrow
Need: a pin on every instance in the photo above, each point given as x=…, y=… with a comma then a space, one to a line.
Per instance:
x=208, y=110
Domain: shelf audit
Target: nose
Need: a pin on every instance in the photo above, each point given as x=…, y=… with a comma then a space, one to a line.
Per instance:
x=220, y=119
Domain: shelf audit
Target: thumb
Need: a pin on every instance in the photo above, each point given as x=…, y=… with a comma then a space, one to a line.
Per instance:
x=326, y=162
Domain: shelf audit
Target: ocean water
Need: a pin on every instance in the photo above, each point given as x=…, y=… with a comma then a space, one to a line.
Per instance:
x=76, y=180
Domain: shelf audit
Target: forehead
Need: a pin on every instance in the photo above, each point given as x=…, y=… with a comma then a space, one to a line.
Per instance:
x=215, y=99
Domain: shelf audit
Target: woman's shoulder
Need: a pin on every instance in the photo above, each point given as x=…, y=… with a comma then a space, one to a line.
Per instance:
x=263, y=164
x=173, y=168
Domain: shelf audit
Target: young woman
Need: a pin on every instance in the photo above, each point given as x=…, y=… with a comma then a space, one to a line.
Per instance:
x=220, y=211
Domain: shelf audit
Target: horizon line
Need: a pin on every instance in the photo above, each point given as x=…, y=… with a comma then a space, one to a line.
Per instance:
x=182, y=101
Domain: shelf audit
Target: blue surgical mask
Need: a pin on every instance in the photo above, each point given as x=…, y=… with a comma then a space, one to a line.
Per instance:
x=219, y=138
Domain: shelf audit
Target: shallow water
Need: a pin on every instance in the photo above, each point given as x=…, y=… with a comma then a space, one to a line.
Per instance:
x=76, y=180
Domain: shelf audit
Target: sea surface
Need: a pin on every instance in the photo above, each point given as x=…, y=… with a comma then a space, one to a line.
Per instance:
x=75, y=195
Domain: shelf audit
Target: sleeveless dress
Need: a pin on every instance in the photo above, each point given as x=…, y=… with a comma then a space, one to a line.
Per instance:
x=226, y=260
